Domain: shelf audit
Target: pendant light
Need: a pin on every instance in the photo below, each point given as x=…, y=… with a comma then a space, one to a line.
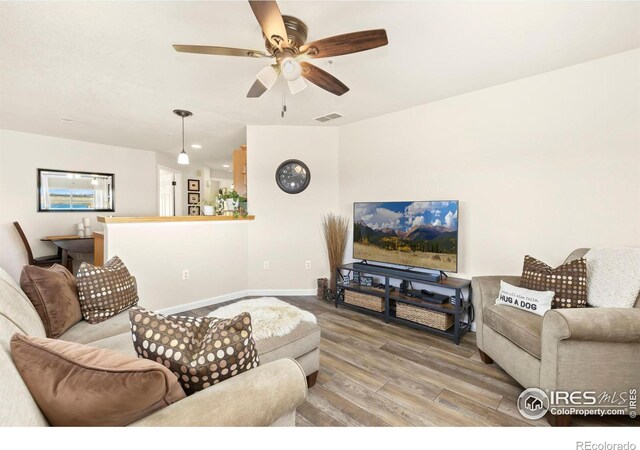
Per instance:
x=183, y=158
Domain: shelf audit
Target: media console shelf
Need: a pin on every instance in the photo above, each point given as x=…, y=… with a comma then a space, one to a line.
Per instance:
x=391, y=298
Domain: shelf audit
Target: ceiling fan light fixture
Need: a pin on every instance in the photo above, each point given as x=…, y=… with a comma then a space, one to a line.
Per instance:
x=290, y=68
x=286, y=41
x=268, y=76
x=297, y=85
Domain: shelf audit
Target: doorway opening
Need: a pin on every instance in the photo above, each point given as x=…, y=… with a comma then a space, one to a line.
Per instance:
x=169, y=189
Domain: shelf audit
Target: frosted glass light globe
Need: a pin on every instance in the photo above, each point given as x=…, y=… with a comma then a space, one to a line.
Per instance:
x=291, y=69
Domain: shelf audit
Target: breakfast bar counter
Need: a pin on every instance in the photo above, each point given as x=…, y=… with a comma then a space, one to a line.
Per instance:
x=179, y=260
x=151, y=219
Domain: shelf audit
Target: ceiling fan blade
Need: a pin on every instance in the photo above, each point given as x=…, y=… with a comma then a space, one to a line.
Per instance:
x=257, y=89
x=323, y=79
x=345, y=43
x=270, y=20
x=224, y=51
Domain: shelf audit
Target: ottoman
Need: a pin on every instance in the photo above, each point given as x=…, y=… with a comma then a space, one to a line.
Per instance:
x=301, y=343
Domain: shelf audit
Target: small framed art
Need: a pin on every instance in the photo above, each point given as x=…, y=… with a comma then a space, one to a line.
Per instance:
x=194, y=210
x=345, y=279
x=366, y=281
x=193, y=185
x=194, y=198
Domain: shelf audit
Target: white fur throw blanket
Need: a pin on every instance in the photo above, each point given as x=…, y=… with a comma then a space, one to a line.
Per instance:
x=270, y=317
x=613, y=277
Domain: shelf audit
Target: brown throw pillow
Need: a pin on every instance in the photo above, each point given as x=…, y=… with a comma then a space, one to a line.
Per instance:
x=200, y=351
x=54, y=294
x=76, y=385
x=105, y=291
x=568, y=281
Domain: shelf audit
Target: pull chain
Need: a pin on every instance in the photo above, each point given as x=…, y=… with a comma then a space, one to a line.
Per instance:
x=284, y=101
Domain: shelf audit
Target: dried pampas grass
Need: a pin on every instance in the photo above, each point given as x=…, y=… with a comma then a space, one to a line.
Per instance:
x=335, y=235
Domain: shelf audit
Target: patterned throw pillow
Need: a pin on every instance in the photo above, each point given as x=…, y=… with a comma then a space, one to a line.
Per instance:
x=200, y=351
x=105, y=291
x=568, y=281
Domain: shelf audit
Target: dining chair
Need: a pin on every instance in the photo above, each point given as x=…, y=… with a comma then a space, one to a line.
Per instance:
x=42, y=261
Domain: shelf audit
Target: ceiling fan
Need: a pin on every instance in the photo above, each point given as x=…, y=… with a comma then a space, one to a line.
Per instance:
x=285, y=40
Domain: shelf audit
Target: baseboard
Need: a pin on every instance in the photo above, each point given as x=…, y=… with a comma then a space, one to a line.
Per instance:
x=281, y=292
x=204, y=302
x=234, y=296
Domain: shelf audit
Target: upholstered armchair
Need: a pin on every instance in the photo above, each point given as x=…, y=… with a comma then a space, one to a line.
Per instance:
x=595, y=349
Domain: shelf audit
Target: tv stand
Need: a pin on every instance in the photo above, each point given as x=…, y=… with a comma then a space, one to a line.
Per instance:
x=458, y=306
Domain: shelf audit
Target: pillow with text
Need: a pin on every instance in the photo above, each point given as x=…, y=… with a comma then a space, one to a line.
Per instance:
x=536, y=302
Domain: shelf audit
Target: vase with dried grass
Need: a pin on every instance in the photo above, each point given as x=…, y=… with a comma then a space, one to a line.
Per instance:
x=335, y=235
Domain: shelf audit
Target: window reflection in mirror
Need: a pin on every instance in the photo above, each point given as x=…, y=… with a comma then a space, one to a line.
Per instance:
x=74, y=191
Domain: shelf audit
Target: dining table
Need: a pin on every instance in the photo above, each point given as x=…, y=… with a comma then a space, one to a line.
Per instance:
x=71, y=243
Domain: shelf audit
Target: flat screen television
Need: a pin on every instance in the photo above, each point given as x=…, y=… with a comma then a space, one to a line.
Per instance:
x=412, y=234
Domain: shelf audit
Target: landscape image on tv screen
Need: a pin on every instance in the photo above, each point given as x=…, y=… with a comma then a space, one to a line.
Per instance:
x=415, y=234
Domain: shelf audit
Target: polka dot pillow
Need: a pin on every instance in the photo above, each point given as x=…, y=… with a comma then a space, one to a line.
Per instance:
x=568, y=281
x=104, y=291
x=200, y=351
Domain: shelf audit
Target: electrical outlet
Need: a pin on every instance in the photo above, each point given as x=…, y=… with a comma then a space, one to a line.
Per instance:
x=266, y=265
x=307, y=265
x=185, y=274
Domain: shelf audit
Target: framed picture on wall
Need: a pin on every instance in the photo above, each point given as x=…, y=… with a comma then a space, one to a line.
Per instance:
x=193, y=185
x=194, y=198
x=194, y=210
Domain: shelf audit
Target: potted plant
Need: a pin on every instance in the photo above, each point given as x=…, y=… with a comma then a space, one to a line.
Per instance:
x=208, y=206
x=227, y=201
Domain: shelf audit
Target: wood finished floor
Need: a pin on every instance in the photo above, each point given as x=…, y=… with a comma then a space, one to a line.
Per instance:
x=378, y=374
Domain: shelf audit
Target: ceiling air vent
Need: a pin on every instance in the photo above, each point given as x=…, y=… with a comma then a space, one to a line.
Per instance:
x=328, y=117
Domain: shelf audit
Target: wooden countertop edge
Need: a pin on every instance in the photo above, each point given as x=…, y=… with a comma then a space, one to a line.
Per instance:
x=65, y=237
x=103, y=219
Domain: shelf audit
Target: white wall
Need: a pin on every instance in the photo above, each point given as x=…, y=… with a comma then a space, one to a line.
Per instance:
x=21, y=154
x=541, y=166
x=287, y=230
x=215, y=253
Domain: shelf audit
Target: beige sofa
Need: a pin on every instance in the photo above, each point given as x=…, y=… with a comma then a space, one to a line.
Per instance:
x=267, y=395
x=595, y=349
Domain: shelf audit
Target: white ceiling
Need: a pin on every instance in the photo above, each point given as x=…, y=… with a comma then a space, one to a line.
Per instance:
x=110, y=66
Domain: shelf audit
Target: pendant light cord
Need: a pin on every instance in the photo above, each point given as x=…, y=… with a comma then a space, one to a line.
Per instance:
x=182, y=133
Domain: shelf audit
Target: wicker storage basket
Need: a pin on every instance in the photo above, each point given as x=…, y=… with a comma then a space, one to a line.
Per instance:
x=433, y=319
x=366, y=301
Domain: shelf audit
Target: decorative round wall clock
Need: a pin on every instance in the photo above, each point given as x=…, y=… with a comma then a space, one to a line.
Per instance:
x=293, y=176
